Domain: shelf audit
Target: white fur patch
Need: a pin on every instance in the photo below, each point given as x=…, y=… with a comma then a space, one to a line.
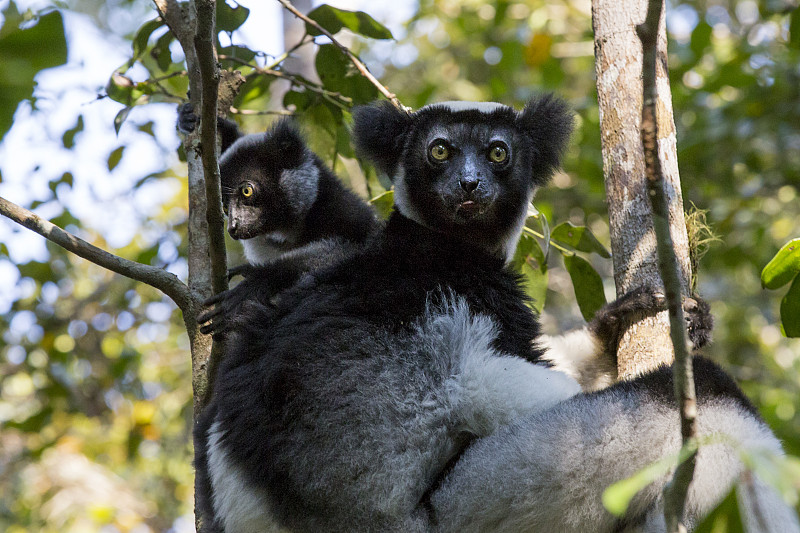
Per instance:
x=456, y=105
x=239, y=506
x=401, y=200
x=580, y=355
x=264, y=248
x=492, y=388
x=508, y=244
x=301, y=185
x=242, y=143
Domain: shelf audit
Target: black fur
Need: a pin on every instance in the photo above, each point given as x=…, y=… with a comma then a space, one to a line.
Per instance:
x=322, y=398
x=319, y=219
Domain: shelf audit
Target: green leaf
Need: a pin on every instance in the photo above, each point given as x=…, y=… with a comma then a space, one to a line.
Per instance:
x=725, y=518
x=783, y=267
x=790, y=310
x=115, y=157
x=23, y=54
x=529, y=259
x=255, y=87
x=142, y=37
x=578, y=237
x=794, y=30
x=587, y=283
x=334, y=19
x=701, y=38
x=161, y=51
x=230, y=18
x=383, y=204
x=68, y=139
x=120, y=118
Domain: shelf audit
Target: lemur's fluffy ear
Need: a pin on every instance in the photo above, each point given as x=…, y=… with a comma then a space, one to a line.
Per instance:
x=379, y=133
x=287, y=142
x=548, y=121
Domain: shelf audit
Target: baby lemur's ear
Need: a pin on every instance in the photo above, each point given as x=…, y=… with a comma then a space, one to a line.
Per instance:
x=379, y=131
x=287, y=144
x=548, y=121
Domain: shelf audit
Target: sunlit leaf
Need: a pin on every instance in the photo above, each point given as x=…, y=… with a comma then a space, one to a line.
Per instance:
x=383, y=204
x=782, y=268
x=588, y=285
x=529, y=260
x=578, y=237
x=334, y=19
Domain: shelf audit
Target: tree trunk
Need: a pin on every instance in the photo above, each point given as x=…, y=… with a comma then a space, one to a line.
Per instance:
x=618, y=55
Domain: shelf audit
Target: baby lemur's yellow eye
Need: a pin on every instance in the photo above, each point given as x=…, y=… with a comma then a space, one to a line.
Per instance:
x=439, y=152
x=497, y=154
x=247, y=191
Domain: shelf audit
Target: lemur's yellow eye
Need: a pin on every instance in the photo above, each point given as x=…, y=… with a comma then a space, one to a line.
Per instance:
x=439, y=152
x=497, y=154
x=247, y=191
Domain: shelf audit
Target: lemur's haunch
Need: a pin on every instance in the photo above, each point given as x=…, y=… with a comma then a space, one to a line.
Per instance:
x=405, y=388
x=288, y=209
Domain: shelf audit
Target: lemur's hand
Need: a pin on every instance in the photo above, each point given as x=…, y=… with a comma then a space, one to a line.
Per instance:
x=261, y=285
x=611, y=320
x=187, y=120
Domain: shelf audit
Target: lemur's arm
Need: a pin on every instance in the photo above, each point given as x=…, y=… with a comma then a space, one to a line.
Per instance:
x=227, y=129
x=589, y=354
x=264, y=282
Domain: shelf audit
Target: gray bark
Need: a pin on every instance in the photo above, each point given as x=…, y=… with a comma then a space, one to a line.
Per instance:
x=618, y=54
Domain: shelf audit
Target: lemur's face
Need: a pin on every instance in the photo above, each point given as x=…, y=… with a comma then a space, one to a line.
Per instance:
x=466, y=175
x=468, y=169
x=269, y=182
x=249, y=202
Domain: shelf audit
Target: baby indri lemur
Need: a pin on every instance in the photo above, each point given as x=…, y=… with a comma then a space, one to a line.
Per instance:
x=404, y=388
x=287, y=208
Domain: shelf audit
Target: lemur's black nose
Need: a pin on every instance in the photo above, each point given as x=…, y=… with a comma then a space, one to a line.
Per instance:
x=469, y=184
x=232, y=227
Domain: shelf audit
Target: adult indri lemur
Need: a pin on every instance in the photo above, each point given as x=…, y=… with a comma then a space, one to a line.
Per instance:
x=285, y=205
x=404, y=389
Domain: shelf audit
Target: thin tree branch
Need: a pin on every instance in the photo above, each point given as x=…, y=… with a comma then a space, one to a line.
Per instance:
x=362, y=68
x=209, y=72
x=162, y=280
x=676, y=490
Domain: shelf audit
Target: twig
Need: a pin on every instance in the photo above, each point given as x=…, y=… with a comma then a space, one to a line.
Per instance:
x=281, y=58
x=676, y=490
x=362, y=68
x=250, y=112
x=294, y=80
x=162, y=280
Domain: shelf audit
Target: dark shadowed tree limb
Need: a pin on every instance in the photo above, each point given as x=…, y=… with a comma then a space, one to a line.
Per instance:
x=362, y=68
x=676, y=490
